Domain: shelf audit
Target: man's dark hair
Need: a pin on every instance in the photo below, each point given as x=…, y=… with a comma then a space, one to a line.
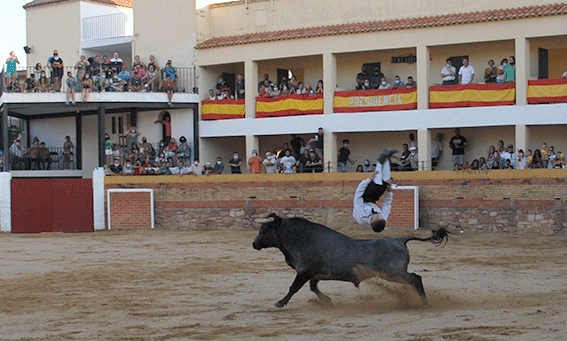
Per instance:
x=346, y=141
x=378, y=226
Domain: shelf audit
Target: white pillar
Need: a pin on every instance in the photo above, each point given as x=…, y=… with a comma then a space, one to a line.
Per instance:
x=98, y=199
x=522, y=138
x=330, y=152
x=252, y=142
x=6, y=202
x=423, y=57
x=522, y=70
x=251, y=83
x=424, y=149
x=329, y=81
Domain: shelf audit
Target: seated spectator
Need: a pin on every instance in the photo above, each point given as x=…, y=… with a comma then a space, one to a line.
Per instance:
x=456, y=167
x=482, y=164
x=114, y=83
x=319, y=89
x=559, y=162
x=465, y=166
x=138, y=168
x=266, y=89
x=537, y=160
x=32, y=156
x=367, y=168
x=466, y=73
x=146, y=150
x=171, y=149
x=136, y=84
x=124, y=76
x=314, y=163
x=31, y=84
x=161, y=158
x=183, y=151
x=170, y=71
x=197, y=168
x=397, y=82
x=448, y=73
x=169, y=87
x=269, y=163
x=361, y=77
x=376, y=78
x=490, y=73
x=509, y=155
x=116, y=153
x=405, y=161
x=44, y=157
x=152, y=79
x=44, y=83
x=300, y=89
x=163, y=169
x=134, y=152
x=475, y=165
x=500, y=78
x=383, y=84
x=551, y=157
x=128, y=169
x=288, y=163
x=359, y=169
x=218, y=167
x=37, y=71
x=87, y=85
x=183, y=170
x=208, y=170
x=153, y=63
x=284, y=87
x=410, y=83
x=493, y=156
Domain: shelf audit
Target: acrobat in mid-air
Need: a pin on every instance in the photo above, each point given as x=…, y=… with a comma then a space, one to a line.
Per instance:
x=369, y=191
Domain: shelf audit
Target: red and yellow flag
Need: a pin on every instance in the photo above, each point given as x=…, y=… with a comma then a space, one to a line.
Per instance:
x=471, y=95
x=288, y=105
x=375, y=100
x=223, y=109
x=547, y=91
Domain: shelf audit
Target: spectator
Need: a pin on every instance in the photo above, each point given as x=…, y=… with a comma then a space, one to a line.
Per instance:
x=37, y=71
x=183, y=151
x=465, y=166
x=551, y=157
x=108, y=149
x=284, y=87
x=170, y=71
x=44, y=85
x=128, y=169
x=212, y=95
x=448, y=73
x=44, y=157
x=458, y=144
x=361, y=77
x=303, y=161
x=95, y=71
x=160, y=159
x=564, y=75
x=72, y=86
x=221, y=85
x=475, y=165
x=197, y=168
x=490, y=73
x=344, y=157
x=208, y=170
x=68, y=147
x=529, y=157
x=509, y=155
x=166, y=121
x=316, y=142
x=147, y=150
x=495, y=165
x=436, y=150
x=116, y=153
x=132, y=134
x=11, y=73
x=510, y=71
x=559, y=161
x=537, y=160
x=164, y=169
x=359, y=169
x=134, y=152
x=405, y=161
x=314, y=163
x=116, y=62
x=319, y=89
x=255, y=162
x=31, y=84
x=367, y=168
x=152, y=79
x=219, y=167
x=113, y=84
x=500, y=78
x=501, y=149
x=183, y=169
x=466, y=73
x=33, y=155
x=263, y=81
x=376, y=78
x=87, y=85
x=269, y=163
x=410, y=83
x=493, y=156
x=138, y=64
x=136, y=83
x=55, y=63
x=300, y=89
x=106, y=70
x=383, y=84
x=169, y=87
x=116, y=168
x=482, y=164
x=413, y=158
x=153, y=63
x=226, y=94
x=288, y=163
x=171, y=149
x=81, y=67
x=17, y=153
x=412, y=141
x=235, y=164
x=397, y=82
x=309, y=90
x=544, y=155
x=124, y=76
x=240, y=88
x=521, y=160
x=296, y=143
x=365, y=85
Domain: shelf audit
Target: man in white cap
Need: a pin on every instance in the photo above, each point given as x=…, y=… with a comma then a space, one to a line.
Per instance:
x=413, y=158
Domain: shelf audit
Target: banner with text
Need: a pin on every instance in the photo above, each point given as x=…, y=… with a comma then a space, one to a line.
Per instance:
x=547, y=91
x=288, y=105
x=223, y=110
x=471, y=95
x=375, y=100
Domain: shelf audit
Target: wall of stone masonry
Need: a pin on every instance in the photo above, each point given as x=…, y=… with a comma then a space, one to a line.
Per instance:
x=529, y=201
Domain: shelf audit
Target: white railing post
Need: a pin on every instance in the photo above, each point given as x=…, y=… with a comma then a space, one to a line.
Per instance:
x=6, y=202
x=98, y=199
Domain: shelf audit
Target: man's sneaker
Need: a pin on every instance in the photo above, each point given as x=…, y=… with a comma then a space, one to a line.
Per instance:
x=386, y=154
x=66, y=102
x=73, y=103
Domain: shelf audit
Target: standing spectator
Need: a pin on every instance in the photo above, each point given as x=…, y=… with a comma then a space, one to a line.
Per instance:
x=55, y=63
x=397, y=82
x=521, y=160
x=303, y=161
x=319, y=89
x=544, y=155
x=152, y=79
x=11, y=73
x=490, y=73
x=197, y=168
x=436, y=150
x=362, y=75
x=95, y=73
x=240, y=89
x=221, y=85
x=68, y=147
x=132, y=137
x=458, y=144
x=412, y=141
x=33, y=155
x=87, y=85
x=166, y=121
x=218, y=167
x=106, y=69
x=117, y=154
x=316, y=142
x=376, y=78
x=537, y=160
x=300, y=89
x=116, y=62
x=255, y=162
x=411, y=83
x=493, y=156
x=309, y=89
x=466, y=73
x=108, y=148
x=510, y=71
x=81, y=67
x=17, y=153
x=314, y=163
x=500, y=78
x=72, y=86
x=169, y=87
x=296, y=143
x=44, y=157
x=235, y=164
x=383, y=84
x=510, y=156
x=288, y=163
x=269, y=163
x=413, y=158
x=448, y=73
x=344, y=157
x=551, y=157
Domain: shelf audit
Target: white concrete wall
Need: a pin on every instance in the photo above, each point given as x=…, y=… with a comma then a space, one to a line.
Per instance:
x=90, y=144
x=211, y=148
x=92, y=9
x=52, y=131
x=553, y=135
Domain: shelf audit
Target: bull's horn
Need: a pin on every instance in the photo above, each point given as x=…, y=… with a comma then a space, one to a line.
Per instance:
x=264, y=220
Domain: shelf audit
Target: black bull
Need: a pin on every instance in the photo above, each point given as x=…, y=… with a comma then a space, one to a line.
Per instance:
x=318, y=253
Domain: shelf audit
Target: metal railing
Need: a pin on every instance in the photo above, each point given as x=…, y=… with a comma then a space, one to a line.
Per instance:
x=107, y=26
x=57, y=160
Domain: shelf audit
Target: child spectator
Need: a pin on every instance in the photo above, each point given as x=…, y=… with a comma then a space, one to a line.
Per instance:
x=169, y=87
x=521, y=160
x=116, y=153
x=319, y=88
x=166, y=121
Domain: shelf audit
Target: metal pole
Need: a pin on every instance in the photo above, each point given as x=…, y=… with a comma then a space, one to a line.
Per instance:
x=101, y=140
x=5, y=136
x=79, y=140
x=196, y=130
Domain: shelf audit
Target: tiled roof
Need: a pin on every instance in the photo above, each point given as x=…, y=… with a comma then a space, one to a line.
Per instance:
x=120, y=3
x=389, y=25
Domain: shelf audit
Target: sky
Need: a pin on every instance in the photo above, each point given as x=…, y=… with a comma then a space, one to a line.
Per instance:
x=13, y=27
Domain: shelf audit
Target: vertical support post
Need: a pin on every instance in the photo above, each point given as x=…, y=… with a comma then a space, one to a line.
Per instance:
x=133, y=118
x=5, y=137
x=329, y=82
x=196, y=120
x=6, y=202
x=522, y=138
x=101, y=132
x=330, y=152
x=98, y=199
x=251, y=79
x=252, y=142
x=523, y=66
x=79, y=140
x=423, y=57
x=28, y=133
x=424, y=149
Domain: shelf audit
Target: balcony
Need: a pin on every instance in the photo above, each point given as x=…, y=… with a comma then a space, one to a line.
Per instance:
x=105, y=30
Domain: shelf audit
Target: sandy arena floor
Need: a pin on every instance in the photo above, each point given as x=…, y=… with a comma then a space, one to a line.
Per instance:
x=211, y=285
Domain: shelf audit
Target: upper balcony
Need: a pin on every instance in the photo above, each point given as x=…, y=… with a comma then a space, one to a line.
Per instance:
x=106, y=30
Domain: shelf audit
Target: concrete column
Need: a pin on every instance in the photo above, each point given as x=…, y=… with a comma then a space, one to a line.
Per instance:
x=98, y=199
x=330, y=152
x=423, y=58
x=251, y=83
x=101, y=140
x=5, y=136
x=6, y=202
x=522, y=138
x=523, y=65
x=424, y=149
x=329, y=81
x=252, y=142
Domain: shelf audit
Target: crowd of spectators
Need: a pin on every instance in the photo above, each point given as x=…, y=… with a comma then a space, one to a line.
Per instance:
x=504, y=73
x=377, y=80
x=38, y=157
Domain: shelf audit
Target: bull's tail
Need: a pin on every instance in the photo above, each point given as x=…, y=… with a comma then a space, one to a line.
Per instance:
x=438, y=237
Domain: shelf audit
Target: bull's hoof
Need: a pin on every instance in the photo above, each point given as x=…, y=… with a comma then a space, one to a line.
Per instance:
x=280, y=304
x=326, y=301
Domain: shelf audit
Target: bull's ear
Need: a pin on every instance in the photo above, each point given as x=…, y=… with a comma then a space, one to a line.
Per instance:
x=277, y=219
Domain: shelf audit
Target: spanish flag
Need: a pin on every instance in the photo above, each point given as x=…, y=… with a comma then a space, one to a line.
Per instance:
x=223, y=109
x=288, y=105
x=375, y=100
x=547, y=91
x=471, y=95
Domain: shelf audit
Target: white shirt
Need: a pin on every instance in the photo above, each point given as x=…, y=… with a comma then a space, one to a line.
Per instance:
x=466, y=73
x=447, y=71
x=436, y=148
x=270, y=165
x=288, y=162
x=362, y=211
x=511, y=156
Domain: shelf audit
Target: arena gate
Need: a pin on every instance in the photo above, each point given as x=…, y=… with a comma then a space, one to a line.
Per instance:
x=52, y=205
